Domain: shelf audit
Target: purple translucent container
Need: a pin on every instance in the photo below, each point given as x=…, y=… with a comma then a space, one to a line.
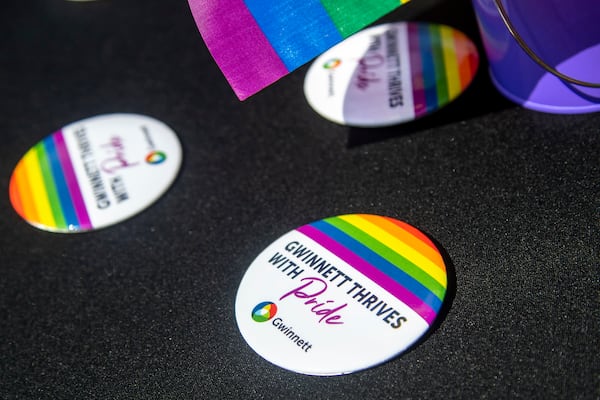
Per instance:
x=564, y=34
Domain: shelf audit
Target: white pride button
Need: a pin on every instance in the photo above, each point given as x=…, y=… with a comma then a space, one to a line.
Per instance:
x=341, y=294
x=391, y=73
x=95, y=172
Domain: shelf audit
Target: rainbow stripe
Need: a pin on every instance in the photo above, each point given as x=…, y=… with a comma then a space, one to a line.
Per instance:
x=394, y=255
x=256, y=42
x=439, y=76
x=44, y=190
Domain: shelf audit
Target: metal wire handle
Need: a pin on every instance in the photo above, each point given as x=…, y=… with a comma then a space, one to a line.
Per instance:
x=533, y=55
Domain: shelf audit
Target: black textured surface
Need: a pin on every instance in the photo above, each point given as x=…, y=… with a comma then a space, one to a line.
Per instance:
x=144, y=309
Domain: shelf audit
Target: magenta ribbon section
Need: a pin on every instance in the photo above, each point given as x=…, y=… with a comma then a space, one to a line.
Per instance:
x=233, y=36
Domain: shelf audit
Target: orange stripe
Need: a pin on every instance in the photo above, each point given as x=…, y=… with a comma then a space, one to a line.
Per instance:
x=463, y=56
x=411, y=236
x=413, y=231
x=29, y=211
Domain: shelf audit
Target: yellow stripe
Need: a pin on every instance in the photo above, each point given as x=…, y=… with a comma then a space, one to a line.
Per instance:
x=38, y=189
x=421, y=245
x=399, y=247
x=452, y=73
x=27, y=206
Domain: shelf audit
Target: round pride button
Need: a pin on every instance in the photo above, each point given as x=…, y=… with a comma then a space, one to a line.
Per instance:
x=391, y=73
x=95, y=172
x=341, y=294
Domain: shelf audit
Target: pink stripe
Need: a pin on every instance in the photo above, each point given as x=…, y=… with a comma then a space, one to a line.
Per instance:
x=416, y=69
x=370, y=272
x=233, y=38
x=72, y=184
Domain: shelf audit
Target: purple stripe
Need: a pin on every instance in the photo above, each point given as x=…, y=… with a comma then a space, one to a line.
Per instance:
x=238, y=45
x=416, y=69
x=370, y=272
x=72, y=184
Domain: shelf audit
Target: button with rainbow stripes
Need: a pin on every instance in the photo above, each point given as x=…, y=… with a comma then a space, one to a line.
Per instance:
x=95, y=172
x=341, y=294
x=391, y=73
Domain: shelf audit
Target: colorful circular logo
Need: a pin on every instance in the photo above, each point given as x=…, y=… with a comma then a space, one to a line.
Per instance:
x=264, y=311
x=332, y=63
x=156, y=157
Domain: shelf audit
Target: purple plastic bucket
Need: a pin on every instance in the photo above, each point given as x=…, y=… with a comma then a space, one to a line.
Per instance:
x=564, y=37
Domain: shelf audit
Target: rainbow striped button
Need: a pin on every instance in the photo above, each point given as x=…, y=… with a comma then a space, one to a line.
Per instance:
x=341, y=294
x=391, y=73
x=95, y=172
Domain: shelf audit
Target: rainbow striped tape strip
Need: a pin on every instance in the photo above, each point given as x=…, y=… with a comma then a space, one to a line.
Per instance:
x=255, y=42
x=44, y=188
x=391, y=253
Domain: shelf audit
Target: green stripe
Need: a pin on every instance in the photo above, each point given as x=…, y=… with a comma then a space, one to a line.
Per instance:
x=390, y=255
x=53, y=198
x=440, y=66
x=352, y=15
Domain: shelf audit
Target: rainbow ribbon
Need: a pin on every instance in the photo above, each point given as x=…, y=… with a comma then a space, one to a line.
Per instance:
x=257, y=42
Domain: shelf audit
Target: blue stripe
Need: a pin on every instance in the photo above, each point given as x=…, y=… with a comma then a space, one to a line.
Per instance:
x=429, y=79
x=297, y=30
x=380, y=263
x=66, y=204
